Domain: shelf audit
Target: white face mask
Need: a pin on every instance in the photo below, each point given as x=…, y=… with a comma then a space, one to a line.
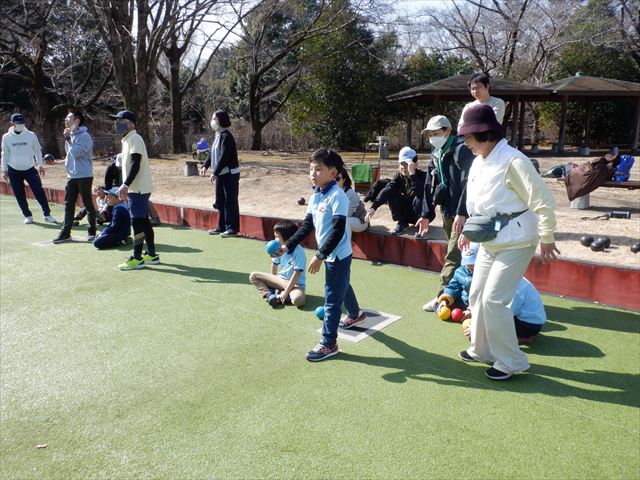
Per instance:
x=18, y=127
x=215, y=124
x=73, y=127
x=438, y=142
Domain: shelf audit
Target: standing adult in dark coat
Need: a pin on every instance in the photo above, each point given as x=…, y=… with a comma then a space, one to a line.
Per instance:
x=225, y=175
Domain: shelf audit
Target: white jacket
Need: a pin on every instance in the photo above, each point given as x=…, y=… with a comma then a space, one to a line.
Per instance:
x=20, y=151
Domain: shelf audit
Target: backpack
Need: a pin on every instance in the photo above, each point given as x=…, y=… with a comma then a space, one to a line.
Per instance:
x=623, y=168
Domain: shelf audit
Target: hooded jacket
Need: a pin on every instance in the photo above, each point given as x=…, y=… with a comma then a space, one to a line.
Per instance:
x=79, y=148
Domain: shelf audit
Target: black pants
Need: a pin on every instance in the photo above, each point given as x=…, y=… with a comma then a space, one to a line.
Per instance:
x=75, y=187
x=404, y=210
x=227, y=187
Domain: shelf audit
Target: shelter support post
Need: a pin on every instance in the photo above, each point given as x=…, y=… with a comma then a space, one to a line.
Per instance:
x=409, y=119
x=636, y=127
x=563, y=122
x=521, y=126
x=514, y=122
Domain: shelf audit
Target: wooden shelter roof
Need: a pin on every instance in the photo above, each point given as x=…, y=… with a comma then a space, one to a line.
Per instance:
x=455, y=88
x=585, y=86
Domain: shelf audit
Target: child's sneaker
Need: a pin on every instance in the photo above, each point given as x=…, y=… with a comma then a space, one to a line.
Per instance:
x=348, y=322
x=151, y=259
x=273, y=300
x=132, y=264
x=322, y=352
x=28, y=220
x=50, y=219
x=431, y=305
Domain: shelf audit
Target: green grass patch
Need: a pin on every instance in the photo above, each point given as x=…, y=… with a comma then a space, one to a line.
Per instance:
x=181, y=370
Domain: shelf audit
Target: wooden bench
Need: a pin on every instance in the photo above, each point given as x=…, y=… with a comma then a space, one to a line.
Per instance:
x=630, y=185
x=191, y=168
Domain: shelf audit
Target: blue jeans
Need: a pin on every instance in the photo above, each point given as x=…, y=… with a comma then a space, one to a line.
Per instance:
x=17, y=179
x=337, y=291
x=227, y=187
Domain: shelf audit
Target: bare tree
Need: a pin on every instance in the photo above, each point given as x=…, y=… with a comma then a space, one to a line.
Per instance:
x=272, y=37
x=629, y=25
x=135, y=32
x=515, y=39
x=191, y=32
x=43, y=51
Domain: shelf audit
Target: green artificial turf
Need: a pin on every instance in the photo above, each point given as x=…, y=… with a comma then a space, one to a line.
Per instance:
x=183, y=371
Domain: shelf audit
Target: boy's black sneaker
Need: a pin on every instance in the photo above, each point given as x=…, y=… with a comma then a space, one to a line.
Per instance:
x=273, y=300
x=322, y=352
x=465, y=357
x=62, y=238
x=400, y=227
x=495, y=374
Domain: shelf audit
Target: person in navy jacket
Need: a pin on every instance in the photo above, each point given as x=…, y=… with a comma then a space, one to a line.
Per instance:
x=225, y=175
x=119, y=230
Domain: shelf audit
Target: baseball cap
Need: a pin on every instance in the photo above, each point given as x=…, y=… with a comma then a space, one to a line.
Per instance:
x=17, y=118
x=436, y=123
x=125, y=114
x=112, y=191
x=469, y=255
x=406, y=155
x=478, y=119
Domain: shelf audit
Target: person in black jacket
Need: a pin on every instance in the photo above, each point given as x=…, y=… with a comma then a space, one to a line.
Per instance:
x=445, y=185
x=225, y=175
x=403, y=194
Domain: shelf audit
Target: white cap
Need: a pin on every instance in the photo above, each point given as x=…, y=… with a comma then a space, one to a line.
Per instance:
x=436, y=123
x=406, y=155
x=469, y=255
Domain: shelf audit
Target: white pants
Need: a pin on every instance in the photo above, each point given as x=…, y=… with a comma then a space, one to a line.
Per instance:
x=356, y=225
x=493, y=333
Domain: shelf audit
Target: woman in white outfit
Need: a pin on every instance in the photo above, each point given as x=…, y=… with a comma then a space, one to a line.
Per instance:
x=503, y=185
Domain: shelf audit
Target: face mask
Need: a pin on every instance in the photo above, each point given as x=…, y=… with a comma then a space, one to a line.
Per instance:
x=215, y=124
x=121, y=128
x=73, y=127
x=438, y=142
x=18, y=127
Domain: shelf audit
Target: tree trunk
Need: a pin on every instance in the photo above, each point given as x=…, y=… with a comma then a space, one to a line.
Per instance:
x=254, y=115
x=178, y=144
x=256, y=136
x=44, y=124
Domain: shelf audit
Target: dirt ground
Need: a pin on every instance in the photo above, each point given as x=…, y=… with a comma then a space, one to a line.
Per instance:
x=272, y=182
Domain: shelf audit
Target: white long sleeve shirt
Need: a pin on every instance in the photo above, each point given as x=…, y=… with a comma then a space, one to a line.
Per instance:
x=20, y=151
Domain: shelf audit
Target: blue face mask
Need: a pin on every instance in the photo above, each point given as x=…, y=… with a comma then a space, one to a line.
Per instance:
x=121, y=128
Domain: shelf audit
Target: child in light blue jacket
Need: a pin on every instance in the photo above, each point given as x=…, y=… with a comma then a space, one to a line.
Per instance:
x=528, y=311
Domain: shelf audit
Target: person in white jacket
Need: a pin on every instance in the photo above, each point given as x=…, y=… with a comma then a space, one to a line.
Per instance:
x=20, y=154
x=503, y=186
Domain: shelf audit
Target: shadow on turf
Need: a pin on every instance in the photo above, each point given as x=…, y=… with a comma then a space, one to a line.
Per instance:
x=416, y=364
x=595, y=317
x=164, y=248
x=550, y=346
